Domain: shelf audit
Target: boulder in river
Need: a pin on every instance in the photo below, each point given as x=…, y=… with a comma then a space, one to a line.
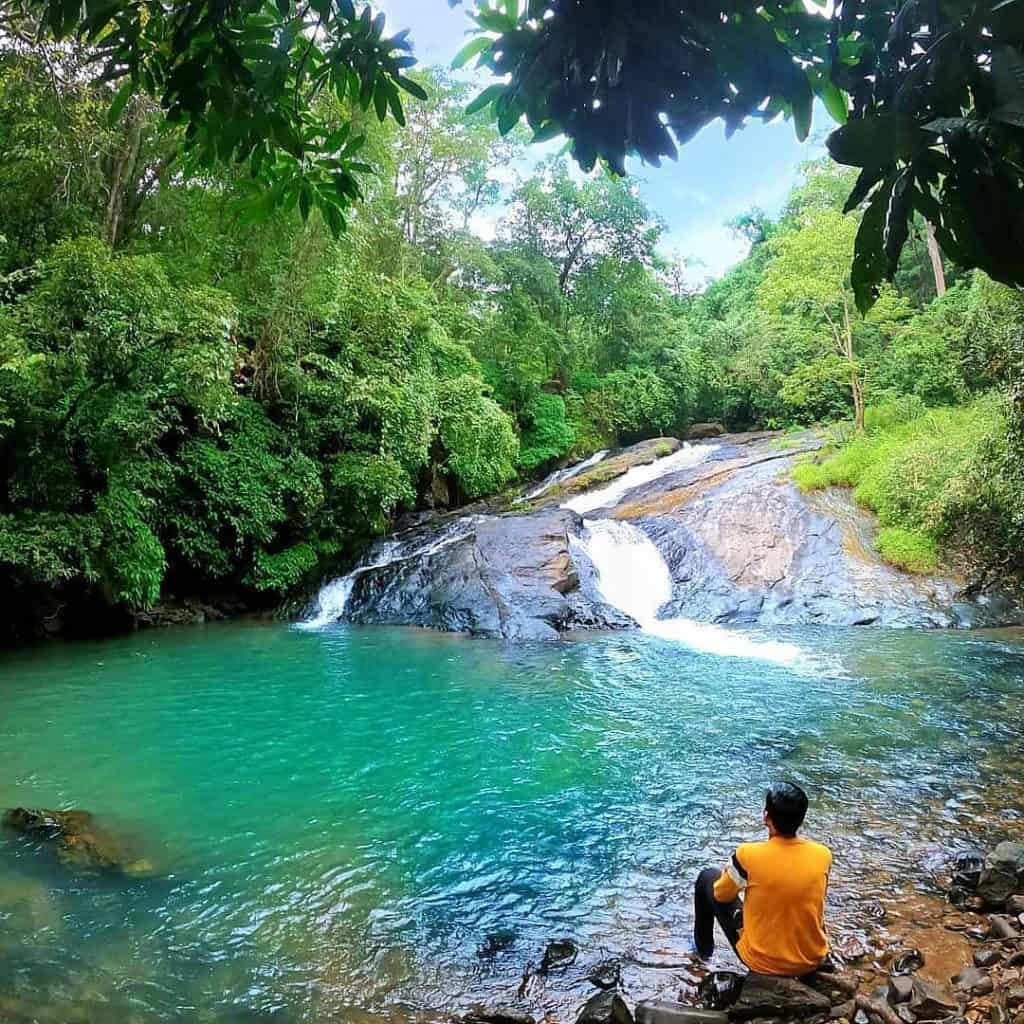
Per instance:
x=967, y=869
x=605, y=1008
x=483, y=1013
x=606, y=975
x=80, y=843
x=1003, y=874
x=764, y=995
x=702, y=431
x=558, y=955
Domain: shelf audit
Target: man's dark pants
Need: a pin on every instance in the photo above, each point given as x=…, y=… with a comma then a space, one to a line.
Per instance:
x=707, y=910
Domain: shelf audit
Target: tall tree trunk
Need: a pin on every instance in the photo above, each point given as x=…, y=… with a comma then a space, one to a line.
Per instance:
x=122, y=171
x=568, y=263
x=856, y=384
x=936, y=255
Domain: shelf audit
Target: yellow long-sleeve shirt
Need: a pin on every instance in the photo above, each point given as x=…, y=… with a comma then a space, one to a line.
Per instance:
x=784, y=881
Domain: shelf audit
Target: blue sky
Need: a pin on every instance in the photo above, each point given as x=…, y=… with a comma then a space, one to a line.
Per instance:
x=713, y=180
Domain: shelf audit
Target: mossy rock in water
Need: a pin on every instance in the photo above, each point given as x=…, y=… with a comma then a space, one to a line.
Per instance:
x=80, y=844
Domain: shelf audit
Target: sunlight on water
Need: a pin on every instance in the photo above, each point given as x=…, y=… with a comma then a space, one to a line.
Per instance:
x=340, y=819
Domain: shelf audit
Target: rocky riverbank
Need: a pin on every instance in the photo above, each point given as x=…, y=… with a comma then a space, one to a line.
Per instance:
x=958, y=960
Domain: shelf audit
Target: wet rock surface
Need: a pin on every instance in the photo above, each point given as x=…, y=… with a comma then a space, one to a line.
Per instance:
x=741, y=543
x=499, y=576
x=79, y=842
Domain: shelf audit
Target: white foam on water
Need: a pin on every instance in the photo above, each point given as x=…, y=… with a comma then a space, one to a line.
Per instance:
x=562, y=475
x=688, y=455
x=331, y=603
x=633, y=576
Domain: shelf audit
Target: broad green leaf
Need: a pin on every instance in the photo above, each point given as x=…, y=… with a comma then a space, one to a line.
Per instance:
x=380, y=100
x=487, y=97
x=472, y=49
x=395, y=102
x=495, y=21
x=546, y=132
x=802, y=111
x=120, y=99
x=835, y=101
x=869, y=261
x=866, y=181
x=411, y=87
x=876, y=140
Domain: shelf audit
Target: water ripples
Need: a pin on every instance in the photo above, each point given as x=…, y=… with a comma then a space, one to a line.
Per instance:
x=340, y=819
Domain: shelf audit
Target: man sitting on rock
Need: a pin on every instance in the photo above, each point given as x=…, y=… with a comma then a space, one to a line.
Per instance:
x=779, y=926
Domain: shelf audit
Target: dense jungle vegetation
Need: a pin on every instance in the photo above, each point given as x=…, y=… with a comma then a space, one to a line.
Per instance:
x=200, y=395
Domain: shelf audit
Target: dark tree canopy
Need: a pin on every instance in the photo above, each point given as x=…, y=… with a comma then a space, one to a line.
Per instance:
x=257, y=83
x=931, y=94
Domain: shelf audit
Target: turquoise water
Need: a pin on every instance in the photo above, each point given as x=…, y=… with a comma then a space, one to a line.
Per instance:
x=340, y=819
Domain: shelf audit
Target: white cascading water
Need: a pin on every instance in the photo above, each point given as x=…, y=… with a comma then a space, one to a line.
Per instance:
x=333, y=598
x=562, y=475
x=633, y=576
x=688, y=455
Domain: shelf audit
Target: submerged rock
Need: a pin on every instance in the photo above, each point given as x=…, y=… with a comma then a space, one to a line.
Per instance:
x=495, y=943
x=907, y=962
x=482, y=1013
x=967, y=869
x=558, y=955
x=79, y=842
x=605, y=975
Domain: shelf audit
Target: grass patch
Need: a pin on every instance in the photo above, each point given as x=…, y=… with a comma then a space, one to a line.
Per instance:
x=782, y=444
x=908, y=550
x=913, y=468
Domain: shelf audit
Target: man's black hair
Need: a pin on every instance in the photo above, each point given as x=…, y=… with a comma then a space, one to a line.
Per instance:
x=786, y=804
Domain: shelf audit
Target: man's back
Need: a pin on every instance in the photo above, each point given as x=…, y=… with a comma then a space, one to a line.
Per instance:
x=785, y=879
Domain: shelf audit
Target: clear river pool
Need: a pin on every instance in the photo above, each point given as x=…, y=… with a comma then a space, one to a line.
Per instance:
x=354, y=824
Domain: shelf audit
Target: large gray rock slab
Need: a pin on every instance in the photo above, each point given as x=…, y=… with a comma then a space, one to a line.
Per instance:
x=502, y=576
x=741, y=544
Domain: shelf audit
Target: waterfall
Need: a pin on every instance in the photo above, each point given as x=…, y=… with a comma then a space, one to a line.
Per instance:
x=331, y=602
x=688, y=455
x=633, y=576
x=333, y=598
x=561, y=475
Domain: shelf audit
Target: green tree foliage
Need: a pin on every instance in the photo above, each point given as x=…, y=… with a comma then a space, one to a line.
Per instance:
x=194, y=402
x=929, y=99
x=244, y=81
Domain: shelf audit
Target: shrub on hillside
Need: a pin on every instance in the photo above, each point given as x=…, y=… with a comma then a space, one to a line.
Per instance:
x=921, y=473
